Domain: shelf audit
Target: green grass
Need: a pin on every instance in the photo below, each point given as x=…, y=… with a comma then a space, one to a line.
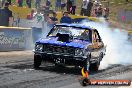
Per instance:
x=120, y=4
x=117, y=5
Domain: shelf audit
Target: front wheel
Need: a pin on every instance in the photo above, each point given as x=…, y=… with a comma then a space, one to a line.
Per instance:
x=37, y=61
x=86, y=65
x=94, y=66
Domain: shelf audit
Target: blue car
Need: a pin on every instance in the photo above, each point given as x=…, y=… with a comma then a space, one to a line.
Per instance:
x=71, y=44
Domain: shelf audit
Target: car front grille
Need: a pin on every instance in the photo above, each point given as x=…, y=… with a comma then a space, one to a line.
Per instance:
x=58, y=49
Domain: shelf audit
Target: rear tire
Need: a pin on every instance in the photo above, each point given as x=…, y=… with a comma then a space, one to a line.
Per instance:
x=37, y=61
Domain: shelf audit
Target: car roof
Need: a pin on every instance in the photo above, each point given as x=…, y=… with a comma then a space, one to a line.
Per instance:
x=76, y=26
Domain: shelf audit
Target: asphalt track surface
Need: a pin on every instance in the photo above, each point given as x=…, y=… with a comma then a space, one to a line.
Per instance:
x=16, y=68
x=16, y=71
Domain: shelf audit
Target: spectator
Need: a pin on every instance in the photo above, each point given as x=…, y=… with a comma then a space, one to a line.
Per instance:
x=5, y=15
x=66, y=18
x=3, y=2
x=69, y=5
x=99, y=11
x=58, y=5
x=47, y=19
x=38, y=16
x=73, y=7
x=63, y=4
x=89, y=8
x=20, y=3
x=0, y=4
x=106, y=13
x=28, y=2
x=54, y=19
x=9, y=1
x=95, y=11
x=38, y=19
x=84, y=8
x=37, y=4
x=48, y=3
x=30, y=16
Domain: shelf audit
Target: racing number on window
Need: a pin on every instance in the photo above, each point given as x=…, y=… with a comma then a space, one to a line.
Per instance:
x=95, y=40
x=95, y=37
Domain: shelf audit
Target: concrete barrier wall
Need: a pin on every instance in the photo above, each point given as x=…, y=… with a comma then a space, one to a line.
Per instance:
x=28, y=23
x=14, y=38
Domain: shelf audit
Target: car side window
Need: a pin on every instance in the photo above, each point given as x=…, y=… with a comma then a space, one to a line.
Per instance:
x=97, y=43
x=85, y=35
x=96, y=37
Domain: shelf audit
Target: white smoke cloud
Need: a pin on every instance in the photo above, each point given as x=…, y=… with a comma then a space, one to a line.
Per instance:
x=119, y=50
x=34, y=35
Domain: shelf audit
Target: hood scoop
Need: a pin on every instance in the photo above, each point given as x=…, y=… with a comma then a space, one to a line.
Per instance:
x=63, y=37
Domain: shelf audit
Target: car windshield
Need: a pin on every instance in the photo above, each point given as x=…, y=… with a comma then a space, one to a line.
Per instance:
x=76, y=33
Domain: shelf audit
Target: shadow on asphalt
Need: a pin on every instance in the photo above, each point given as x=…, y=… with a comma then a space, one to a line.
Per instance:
x=51, y=68
x=61, y=69
x=57, y=69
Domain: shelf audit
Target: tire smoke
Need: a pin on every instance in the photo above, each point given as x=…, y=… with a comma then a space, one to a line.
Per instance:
x=36, y=34
x=118, y=50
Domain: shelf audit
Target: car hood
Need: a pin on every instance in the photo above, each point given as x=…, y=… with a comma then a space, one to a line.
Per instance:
x=74, y=43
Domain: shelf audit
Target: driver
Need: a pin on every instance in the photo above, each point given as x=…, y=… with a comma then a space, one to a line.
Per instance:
x=85, y=35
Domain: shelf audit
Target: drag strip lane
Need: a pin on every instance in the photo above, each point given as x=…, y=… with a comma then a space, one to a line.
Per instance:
x=21, y=74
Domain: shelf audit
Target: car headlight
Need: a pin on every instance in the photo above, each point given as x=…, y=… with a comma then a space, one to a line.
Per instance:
x=39, y=47
x=79, y=52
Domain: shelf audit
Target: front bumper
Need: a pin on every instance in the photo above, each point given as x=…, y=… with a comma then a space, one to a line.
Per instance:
x=61, y=58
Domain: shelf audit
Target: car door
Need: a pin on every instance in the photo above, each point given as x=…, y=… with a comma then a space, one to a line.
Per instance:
x=97, y=45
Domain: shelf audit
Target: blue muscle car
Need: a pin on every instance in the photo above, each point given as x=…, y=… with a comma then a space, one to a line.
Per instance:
x=71, y=44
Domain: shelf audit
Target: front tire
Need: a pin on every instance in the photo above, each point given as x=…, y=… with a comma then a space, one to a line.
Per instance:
x=37, y=61
x=94, y=67
x=86, y=65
